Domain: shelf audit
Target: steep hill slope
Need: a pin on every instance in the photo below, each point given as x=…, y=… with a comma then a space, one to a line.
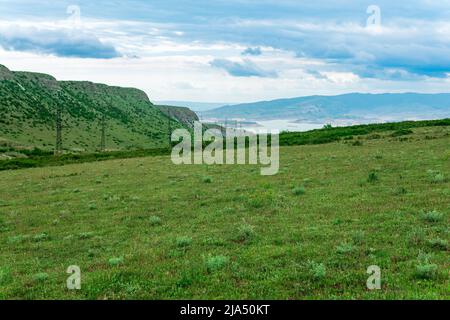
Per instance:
x=184, y=115
x=28, y=103
x=348, y=106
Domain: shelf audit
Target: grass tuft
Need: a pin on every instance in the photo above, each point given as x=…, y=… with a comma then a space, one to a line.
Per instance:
x=298, y=191
x=345, y=248
x=318, y=271
x=40, y=277
x=183, y=242
x=436, y=176
x=425, y=269
x=41, y=237
x=207, y=180
x=246, y=233
x=216, y=263
x=373, y=177
x=432, y=216
x=155, y=221
x=437, y=243
x=116, y=261
x=5, y=276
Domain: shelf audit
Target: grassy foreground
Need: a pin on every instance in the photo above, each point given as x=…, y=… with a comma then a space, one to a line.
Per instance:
x=147, y=229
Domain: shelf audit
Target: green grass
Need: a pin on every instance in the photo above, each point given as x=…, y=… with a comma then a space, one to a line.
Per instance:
x=37, y=157
x=158, y=231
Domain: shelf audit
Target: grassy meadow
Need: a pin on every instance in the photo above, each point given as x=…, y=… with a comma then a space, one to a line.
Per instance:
x=144, y=228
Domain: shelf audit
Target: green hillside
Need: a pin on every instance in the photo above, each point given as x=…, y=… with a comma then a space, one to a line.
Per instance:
x=145, y=228
x=28, y=103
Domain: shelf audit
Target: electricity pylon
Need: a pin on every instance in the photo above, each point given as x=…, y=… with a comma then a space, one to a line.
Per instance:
x=169, y=133
x=58, y=146
x=103, y=139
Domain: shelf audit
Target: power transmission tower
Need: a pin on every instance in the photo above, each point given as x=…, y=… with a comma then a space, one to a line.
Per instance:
x=170, y=129
x=58, y=146
x=103, y=139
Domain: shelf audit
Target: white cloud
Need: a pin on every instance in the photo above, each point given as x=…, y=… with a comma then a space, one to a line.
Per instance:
x=171, y=58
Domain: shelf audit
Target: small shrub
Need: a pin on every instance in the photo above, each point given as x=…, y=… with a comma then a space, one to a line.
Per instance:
x=92, y=206
x=373, y=177
x=5, y=276
x=41, y=237
x=438, y=244
x=358, y=237
x=424, y=269
x=216, y=263
x=432, y=216
x=416, y=237
x=183, y=242
x=402, y=132
x=207, y=180
x=317, y=270
x=374, y=136
x=298, y=191
x=92, y=253
x=40, y=277
x=436, y=176
x=185, y=281
x=400, y=191
x=188, y=278
x=155, y=221
x=344, y=248
x=85, y=235
x=246, y=232
x=256, y=203
x=115, y=261
x=17, y=239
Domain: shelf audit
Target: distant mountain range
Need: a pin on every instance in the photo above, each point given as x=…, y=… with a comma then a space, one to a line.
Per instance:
x=354, y=106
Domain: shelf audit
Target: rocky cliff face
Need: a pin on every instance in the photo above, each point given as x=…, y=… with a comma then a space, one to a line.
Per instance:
x=183, y=115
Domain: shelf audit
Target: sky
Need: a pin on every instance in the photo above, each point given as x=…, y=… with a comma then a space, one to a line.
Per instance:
x=233, y=51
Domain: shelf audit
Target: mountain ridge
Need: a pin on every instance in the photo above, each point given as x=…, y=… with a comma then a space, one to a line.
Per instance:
x=397, y=106
x=28, y=104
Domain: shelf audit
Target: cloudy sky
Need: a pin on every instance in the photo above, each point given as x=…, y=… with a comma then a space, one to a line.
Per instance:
x=233, y=50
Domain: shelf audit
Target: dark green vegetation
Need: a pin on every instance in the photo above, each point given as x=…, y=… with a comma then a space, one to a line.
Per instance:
x=147, y=229
x=28, y=103
x=347, y=106
x=329, y=134
x=28, y=158
x=38, y=158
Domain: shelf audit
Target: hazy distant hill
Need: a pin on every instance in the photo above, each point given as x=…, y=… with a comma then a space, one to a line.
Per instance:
x=28, y=106
x=195, y=106
x=348, y=106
